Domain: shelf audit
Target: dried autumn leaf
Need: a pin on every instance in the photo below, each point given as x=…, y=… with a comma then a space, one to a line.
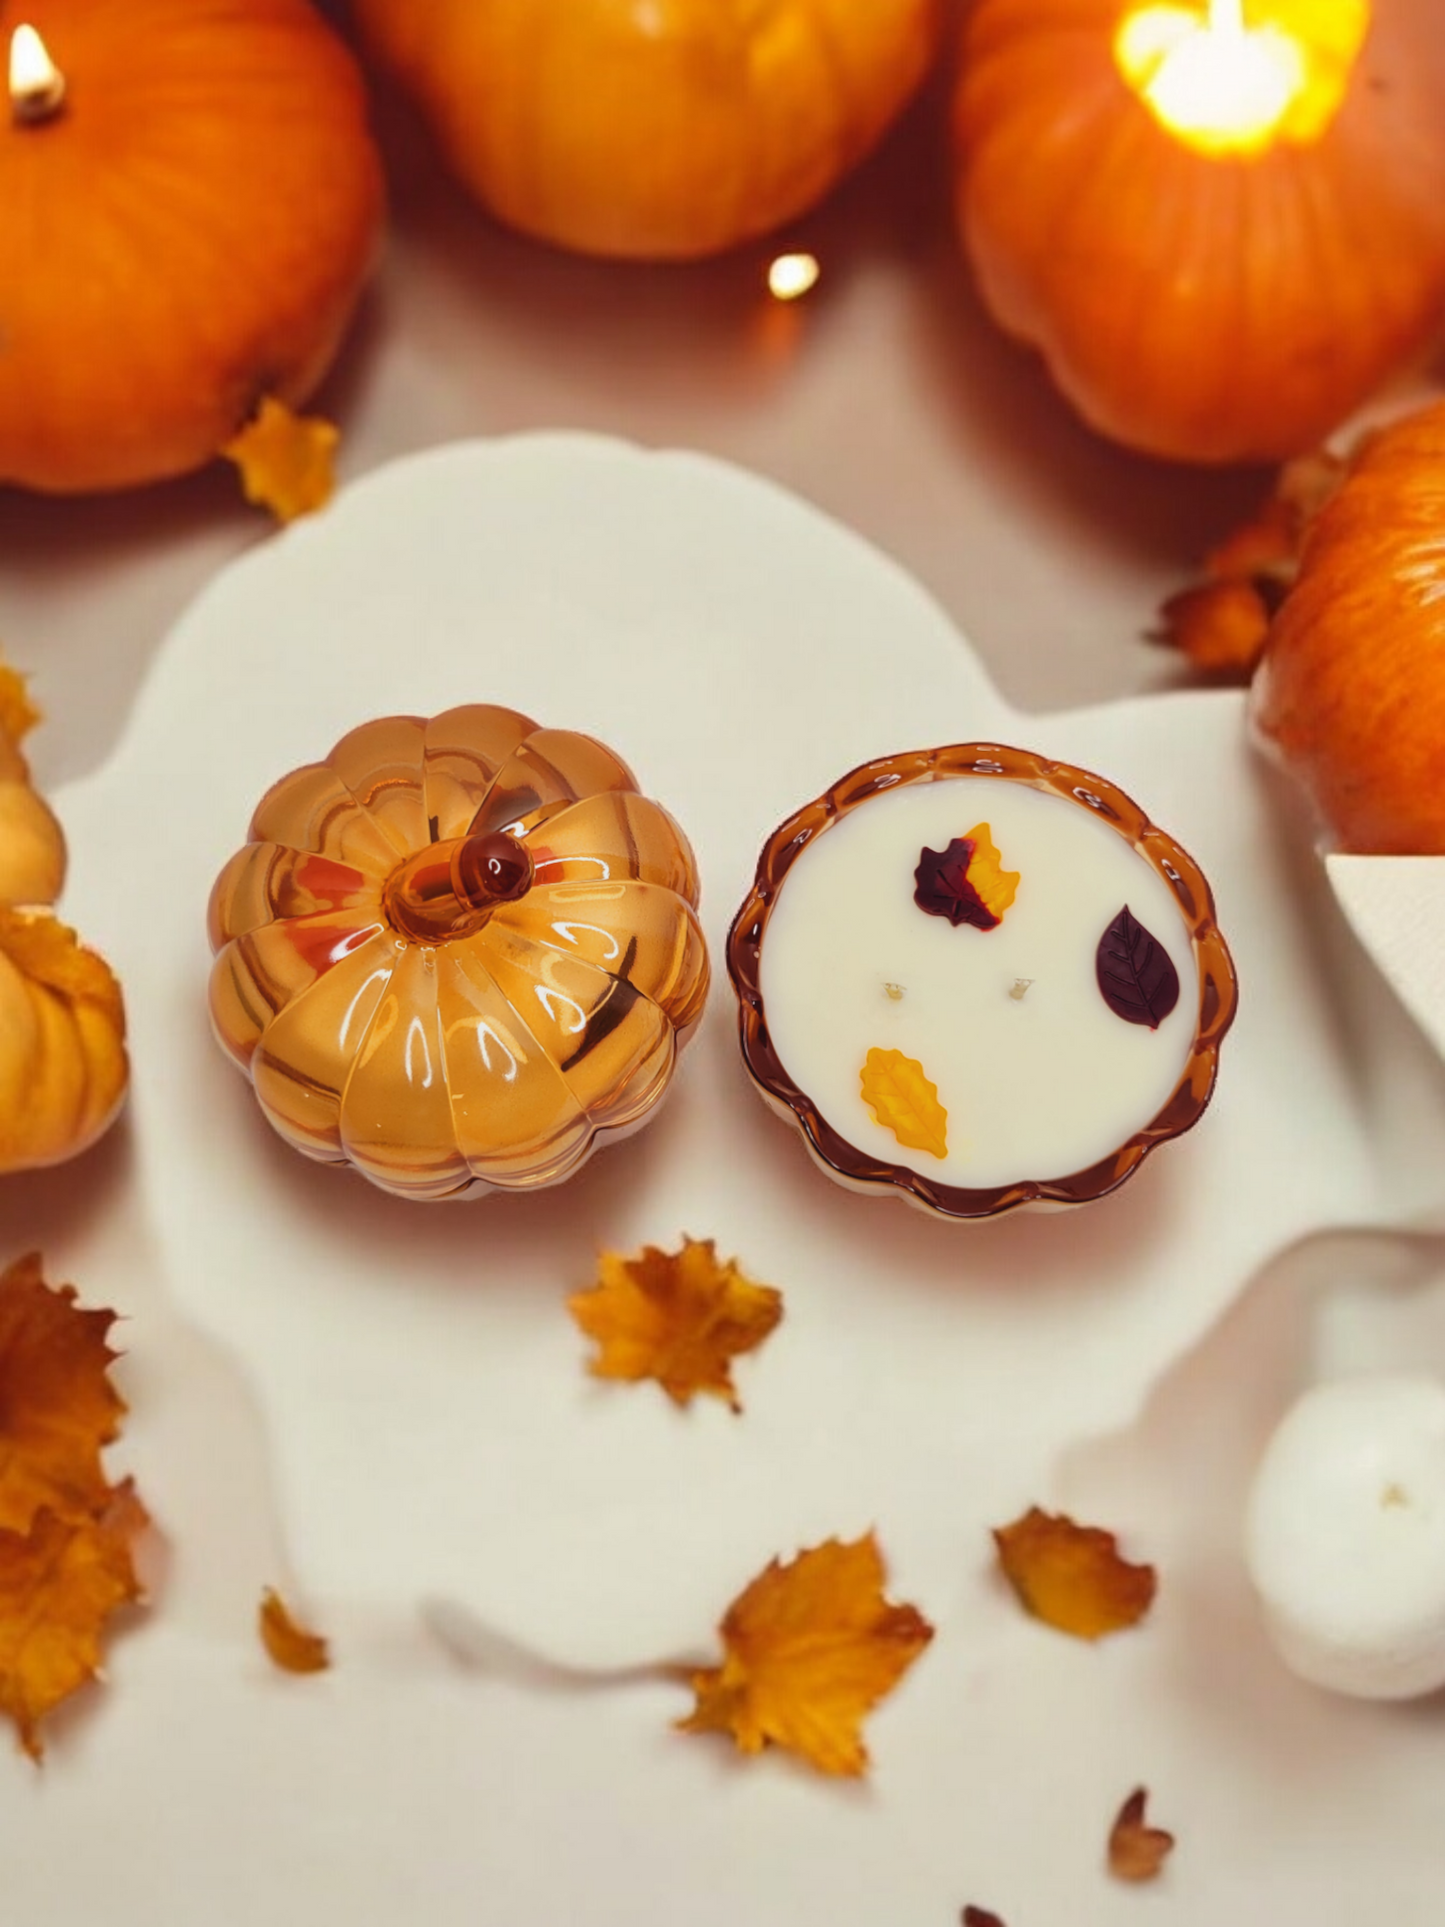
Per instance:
x=18, y=715
x=897, y=1091
x=59, y=1584
x=1137, y=1851
x=290, y=1647
x=809, y=1649
x=1222, y=623
x=57, y=1404
x=678, y=1317
x=286, y=461
x=1072, y=1577
x=1222, y=627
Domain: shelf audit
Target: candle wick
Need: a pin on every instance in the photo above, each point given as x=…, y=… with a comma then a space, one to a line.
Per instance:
x=37, y=86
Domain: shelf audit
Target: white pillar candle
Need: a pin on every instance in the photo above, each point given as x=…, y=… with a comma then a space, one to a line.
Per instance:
x=1039, y=1075
x=1345, y=1536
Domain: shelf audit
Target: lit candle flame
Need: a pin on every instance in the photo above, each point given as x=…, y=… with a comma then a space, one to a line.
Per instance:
x=792, y=276
x=37, y=86
x=1228, y=84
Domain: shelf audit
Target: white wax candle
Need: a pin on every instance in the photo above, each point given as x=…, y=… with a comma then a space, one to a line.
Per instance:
x=1038, y=1081
x=1345, y=1536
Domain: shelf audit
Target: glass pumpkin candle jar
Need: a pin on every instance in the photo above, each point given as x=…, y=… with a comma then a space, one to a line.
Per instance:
x=980, y=980
x=458, y=954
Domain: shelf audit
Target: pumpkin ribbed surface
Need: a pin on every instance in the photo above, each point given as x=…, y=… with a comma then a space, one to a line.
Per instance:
x=661, y=129
x=493, y=1057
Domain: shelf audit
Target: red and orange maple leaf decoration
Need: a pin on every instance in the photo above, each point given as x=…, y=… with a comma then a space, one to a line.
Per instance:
x=66, y=1534
x=290, y=1647
x=678, y=1317
x=1073, y=1577
x=1137, y=1851
x=809, y=1648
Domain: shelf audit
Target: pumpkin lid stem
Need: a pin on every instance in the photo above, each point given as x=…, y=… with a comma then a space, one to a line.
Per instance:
x=450, y=889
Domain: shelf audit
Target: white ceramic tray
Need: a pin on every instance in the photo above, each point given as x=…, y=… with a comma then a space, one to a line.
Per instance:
x=384, y=1406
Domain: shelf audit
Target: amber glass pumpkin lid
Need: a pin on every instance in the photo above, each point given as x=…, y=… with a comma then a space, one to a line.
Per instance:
x=1206, y=998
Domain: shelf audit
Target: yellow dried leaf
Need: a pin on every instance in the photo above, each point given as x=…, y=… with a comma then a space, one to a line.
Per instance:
x=286, y=461
x=290, y=1647
x=677, y=1317
x=996, y=886
x=808, y=1650
x=897, y=1091
x=57, y=1404
x=1072, y=1577
x=1137, y=1851
x=59, y=1584
x=18, y=715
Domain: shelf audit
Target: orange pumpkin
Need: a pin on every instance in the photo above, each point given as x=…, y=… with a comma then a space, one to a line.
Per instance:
x=63, y=1068
x=186, y=233
x=458, y=953
x=1352, y=691
x=654, y=129
x=1218, y=292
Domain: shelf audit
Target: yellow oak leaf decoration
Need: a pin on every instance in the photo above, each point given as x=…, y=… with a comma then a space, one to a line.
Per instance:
x=286, y=461
x=897, y=1091
x=809, y=1648
x=996, y=886
x=677, y=1317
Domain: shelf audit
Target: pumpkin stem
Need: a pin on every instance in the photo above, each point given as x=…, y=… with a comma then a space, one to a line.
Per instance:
x=37, y=86
x=450, y=889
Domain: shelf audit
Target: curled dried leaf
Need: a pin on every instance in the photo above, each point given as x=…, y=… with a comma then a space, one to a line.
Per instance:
x=60, y=1582
x=286, y=461
x=1221, y=624
x=680, y=1318
x=897, y=1091
x=290, y=1647
x=1073, y=1577
x=1137, y=1851
x=809, y=1649
x=57, y=1404
x=1222, y=627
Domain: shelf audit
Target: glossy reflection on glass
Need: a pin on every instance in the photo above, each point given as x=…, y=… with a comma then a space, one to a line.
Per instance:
x=458, y=952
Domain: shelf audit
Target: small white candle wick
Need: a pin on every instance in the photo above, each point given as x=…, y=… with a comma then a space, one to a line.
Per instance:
x=1021, y=988
x=37, y=86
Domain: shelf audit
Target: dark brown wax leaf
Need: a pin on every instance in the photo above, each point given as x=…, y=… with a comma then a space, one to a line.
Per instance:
x=1136, y=974
x=944, y=889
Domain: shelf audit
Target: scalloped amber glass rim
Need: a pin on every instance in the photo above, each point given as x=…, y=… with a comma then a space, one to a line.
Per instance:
x=1218, y=983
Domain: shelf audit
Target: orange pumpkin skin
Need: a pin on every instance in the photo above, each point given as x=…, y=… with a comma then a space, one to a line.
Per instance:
x=189, y=235
x=1200, y=308
x=1352, y=691
x=654, y=129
